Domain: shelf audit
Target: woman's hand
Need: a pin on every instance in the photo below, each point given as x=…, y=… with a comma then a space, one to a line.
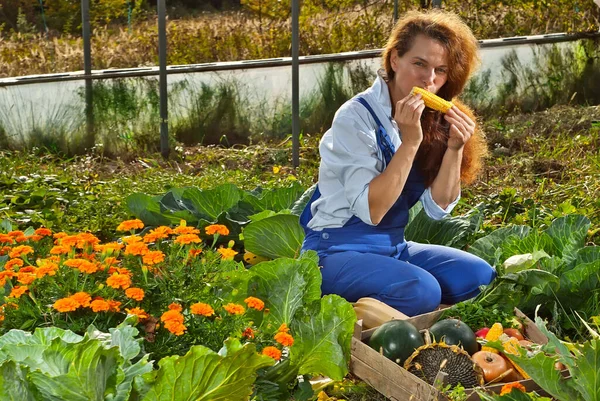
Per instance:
x=408, y=117
x=461, y=128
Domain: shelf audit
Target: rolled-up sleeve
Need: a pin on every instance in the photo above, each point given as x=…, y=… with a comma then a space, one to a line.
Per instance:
x=351, y=154
x=434, y=210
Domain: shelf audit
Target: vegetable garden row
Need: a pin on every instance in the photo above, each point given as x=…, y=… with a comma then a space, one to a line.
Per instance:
x=203, y=295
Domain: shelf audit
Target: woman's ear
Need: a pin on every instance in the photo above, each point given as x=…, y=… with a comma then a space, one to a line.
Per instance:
x=394, y=59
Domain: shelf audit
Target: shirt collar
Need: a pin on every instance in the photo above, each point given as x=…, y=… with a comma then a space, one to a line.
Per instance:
x=382, y=93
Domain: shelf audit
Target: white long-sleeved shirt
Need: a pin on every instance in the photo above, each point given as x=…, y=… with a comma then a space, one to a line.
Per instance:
x=351, y=158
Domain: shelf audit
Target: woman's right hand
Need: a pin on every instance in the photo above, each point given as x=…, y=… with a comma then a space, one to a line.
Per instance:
x=408, y=117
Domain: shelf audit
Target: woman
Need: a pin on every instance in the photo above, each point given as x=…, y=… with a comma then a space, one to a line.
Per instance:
x=384, y=152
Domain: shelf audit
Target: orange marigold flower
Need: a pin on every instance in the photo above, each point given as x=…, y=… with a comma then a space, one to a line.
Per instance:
x=99, y=305
x=195, y=252
x=87, y=256
x=6, y=239
x=139, y=312
x=118, y=280
x=176, y=307
x=17, y=291
x=175, y=327
x=4, y=250
x=283, y=328
x=4, y=275
x=35, y=237
x=132, y=239
x=69, y=240
x=22, y=239
x=82, y=298
x=234, y=309
x=284, y=339
x=114, y=306
x=44, y=232
x=26, y=278
x=16, y=233
x=137, y=248
x=254, y=303
x=74, y=263
x=172, y=314
x=19, y=251
x=158, y=233
x=508, y=387
x=10, y=265
x=202, y=309
x=153, y=257
x=128, y=225
x=226, y=253
x=184, y=229
x=110, y=261
x=60, y=250
x=60, y=235
x=47, y=269
x=216, y=229
x=248, y=333
x=66, y=305
x=88, y=267
x=134, y=293
x=86, y=239
x=108, y=248
x=185, y=239
x=272, y=352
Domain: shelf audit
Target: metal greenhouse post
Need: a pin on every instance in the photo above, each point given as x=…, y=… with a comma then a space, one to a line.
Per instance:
x=295, y=86
x=395, y=10
x=162, y=78
x=90, y=139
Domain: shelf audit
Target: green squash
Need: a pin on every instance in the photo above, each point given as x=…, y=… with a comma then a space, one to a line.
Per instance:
x=397, y=340
x=455, y=332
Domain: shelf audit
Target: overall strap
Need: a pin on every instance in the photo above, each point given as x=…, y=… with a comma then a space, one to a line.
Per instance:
x=383, y=140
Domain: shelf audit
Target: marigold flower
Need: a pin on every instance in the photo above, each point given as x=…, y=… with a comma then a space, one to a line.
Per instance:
x=170, y=315
x=26, y=278
x=216, y=229
x=202, y=309
x=134, y=293
x=114, y=306
x=16, y=233
x=21, y=239
x=508, y=387
x=129, y=225
x=153, y=257
x=176, y=307
x=283, y=328
x=10, y=265
x=99, y=305
x=131, y=239
x=284, y=339
x=88, y=267
x=158, y=233
x=254, y=303
x=248, y=333
x=234, y=309
x=184, y=229
x=118, y=280
x=82, y=298
x=4, y=250
x=6, y=239
x=59, y=235
x=74, y=263
x=272, y=352
x=136, y=248
x=69, y=240
x=195, y=252
x=4, y=275
x=174, y=327
x=60, y=250
x=47, y=269
x=66, y=305
x=108, y=248
x=86, y=239
x=44, y=232
x=35, y=237
x=110, y=261
x=139, y=312
x=19, y=251
x=17, y=291
x=226, y=253
x=185, y=239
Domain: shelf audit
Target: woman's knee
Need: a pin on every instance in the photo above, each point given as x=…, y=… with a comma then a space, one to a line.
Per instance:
x=421, y=294
x=467, y=284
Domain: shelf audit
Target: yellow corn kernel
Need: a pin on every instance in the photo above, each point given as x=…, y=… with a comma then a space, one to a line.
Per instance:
x=512, y=346
x=431, y=100
x=493, y=335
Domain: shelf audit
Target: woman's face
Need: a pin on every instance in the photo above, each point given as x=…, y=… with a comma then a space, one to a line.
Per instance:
x=425, y=65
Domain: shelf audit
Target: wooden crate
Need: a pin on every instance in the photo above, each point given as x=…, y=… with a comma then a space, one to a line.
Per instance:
x=396, y=383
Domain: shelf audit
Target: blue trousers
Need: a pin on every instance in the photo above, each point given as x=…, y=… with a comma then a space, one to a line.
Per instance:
x=414, y=281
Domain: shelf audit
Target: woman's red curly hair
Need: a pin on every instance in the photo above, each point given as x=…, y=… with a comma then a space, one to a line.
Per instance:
x=463, y=58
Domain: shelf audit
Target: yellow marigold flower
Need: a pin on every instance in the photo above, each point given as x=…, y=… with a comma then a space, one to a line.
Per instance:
x=254, y=303
x=283, y=328
x=272, y=352
x=82, y=298
x=134, y=293
x=284, y=339
x=176, y=307
x=10, y=265
x=114, y=306
x=60, y=250
x=44, y=232
x=17, y=291
x=117, y=280
x=153, y=257
x=99, y=305
x=128, y=225
x=185, y=239
x=234, y=309
x=19, y=251
x=202, y=309
x=26, y=278
x=216, y=229
x=66, y=305
x=139, y=312
x=508, y=387
x=137, y=248
x=226, y=253
x=175, y=327
x=131, y=239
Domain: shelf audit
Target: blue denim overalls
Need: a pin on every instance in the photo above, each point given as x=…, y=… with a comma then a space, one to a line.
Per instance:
x=359, y=260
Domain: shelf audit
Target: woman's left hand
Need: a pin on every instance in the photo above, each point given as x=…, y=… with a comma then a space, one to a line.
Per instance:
x=461, y=128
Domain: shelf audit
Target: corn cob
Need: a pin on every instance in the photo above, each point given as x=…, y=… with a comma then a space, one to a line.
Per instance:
x=431, y=100
x=493, y=335
x=512, y=346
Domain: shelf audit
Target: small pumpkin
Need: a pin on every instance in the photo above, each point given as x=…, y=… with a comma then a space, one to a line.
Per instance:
x=396, y=340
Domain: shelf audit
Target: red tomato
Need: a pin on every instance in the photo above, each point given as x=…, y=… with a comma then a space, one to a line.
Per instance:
x=493, y=365
x=481, y=333
x=514, y=333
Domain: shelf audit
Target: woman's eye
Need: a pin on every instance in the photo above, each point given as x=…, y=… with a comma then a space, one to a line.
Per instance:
x=420, y=64
x=441, y=71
